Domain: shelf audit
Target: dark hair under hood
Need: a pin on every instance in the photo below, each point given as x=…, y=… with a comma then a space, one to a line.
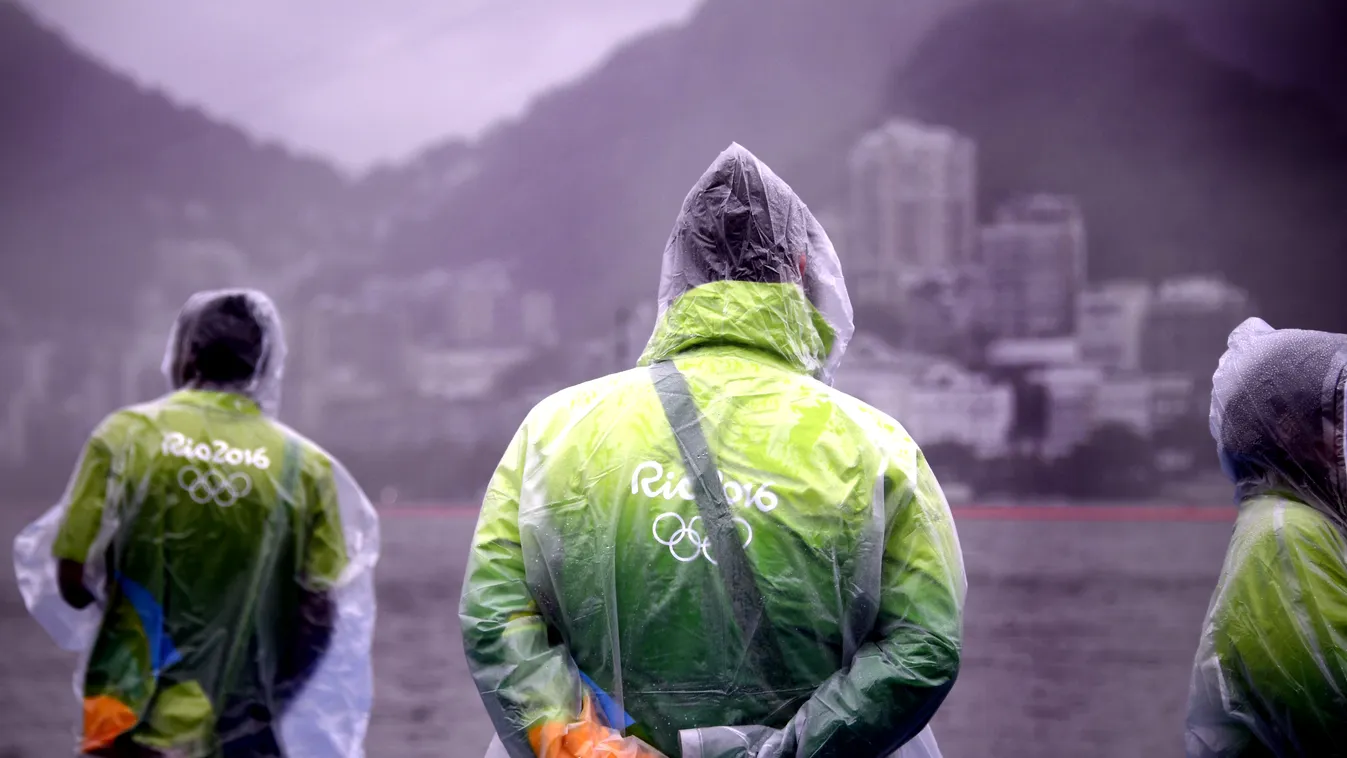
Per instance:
x=1277, y=415
x=208, y=322
x=742, y=222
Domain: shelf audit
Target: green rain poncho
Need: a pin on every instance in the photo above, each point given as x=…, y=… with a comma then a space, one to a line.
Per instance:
x=1270, y=677
x=594, y=575
x=202, y=523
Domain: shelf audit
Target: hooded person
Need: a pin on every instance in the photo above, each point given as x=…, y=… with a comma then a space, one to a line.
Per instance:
x=717, y=554
x=1270, y=676
x=213, y=567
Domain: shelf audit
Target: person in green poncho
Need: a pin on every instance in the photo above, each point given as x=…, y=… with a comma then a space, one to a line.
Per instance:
x=1270, y=675
x=716, y=554
x=212, y=536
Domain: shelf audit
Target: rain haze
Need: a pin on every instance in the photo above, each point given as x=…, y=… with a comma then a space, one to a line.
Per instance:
x=421, y=70
x=1050, y=214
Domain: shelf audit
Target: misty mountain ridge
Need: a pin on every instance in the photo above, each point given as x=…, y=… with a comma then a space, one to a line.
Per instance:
x=1182, y=165
x=581, y=191
x=99, y=171
x=1295, y=43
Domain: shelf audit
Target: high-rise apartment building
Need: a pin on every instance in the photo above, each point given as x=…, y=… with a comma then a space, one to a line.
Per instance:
x=913, y=207
x=1033, y=255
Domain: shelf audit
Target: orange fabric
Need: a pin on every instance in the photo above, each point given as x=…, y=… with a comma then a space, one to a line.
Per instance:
x=105, y=719
x=586, y=738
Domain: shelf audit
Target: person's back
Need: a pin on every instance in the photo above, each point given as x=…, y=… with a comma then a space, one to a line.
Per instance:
x=214, y=537
x=212, y=508
x=595, y=530
x=1269, y=679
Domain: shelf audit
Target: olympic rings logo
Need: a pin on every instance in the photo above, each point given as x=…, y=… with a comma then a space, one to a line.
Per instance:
x=687, y=530
x=212, y=486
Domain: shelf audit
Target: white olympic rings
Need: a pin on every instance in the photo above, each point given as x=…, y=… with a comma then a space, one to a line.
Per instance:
x=212, y=486
x=688, y=530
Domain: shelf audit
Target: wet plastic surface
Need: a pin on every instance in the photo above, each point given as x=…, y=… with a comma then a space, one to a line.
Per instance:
x=1270, y=677
x=228, y=562
x=595, y=575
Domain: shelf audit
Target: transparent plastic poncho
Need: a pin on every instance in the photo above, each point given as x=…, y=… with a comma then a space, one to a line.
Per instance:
x=740, y=220
x=229, y=563
x=1270, y=677
x=716, y=554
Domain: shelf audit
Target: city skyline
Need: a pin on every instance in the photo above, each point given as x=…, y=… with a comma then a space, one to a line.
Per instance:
x=992, y=308
x=1015, y=316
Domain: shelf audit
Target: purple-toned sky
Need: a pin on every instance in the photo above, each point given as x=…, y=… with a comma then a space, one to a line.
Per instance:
x=355, y=81
x=367, y=81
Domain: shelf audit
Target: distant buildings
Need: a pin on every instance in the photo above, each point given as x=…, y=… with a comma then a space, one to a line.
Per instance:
x=348, y=351
x=1187, y=326
x=1033, y=254
x=1011, y=298
x=53, y=399
x=1070, y=414
x=1111, y=321
x=936, y=400
x=187, y=265
x=913, y=207
x=475, y=301
x=1012, y=355
x=938, y=313
x=1127, y=402
x=416, y=423
x=998, y=343
x=462, y=374
x=429, y=347
x=1188, y=323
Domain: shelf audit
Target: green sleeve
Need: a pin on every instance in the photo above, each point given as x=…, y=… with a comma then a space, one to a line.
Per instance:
x=1278, y=629
x=900, y=677
x=86, y=497
x=522, y=679
x=325, y=541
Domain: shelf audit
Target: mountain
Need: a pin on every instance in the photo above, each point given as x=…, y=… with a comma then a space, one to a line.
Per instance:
x=581, y=192
x=1182, y=164
x=398, y=195
x=99, y=172
x=1301, y=43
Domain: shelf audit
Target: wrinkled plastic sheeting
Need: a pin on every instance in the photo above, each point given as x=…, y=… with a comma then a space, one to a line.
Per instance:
x=1268, y=675
x=741, y=219
x=203, y=447
x=1277, y=414
x=587, y=535
x=738, y=741
x=331, y=714
x=734, y=742
x=264, y=387
x=593, y=573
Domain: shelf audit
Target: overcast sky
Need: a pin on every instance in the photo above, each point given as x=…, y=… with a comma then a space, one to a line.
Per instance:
x=356, y=81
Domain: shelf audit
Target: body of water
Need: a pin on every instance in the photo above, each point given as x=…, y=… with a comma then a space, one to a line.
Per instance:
x=1080, y=634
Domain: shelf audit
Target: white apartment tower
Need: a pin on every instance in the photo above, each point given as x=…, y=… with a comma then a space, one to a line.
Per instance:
x=913, y=207
x=1034, y=258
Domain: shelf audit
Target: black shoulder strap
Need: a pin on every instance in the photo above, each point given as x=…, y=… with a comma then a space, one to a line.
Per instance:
x=726, y=545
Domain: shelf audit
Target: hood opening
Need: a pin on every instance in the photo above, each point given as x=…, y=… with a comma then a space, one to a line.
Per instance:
x=743, y=223
x=1277, y=414
x=228, y=341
